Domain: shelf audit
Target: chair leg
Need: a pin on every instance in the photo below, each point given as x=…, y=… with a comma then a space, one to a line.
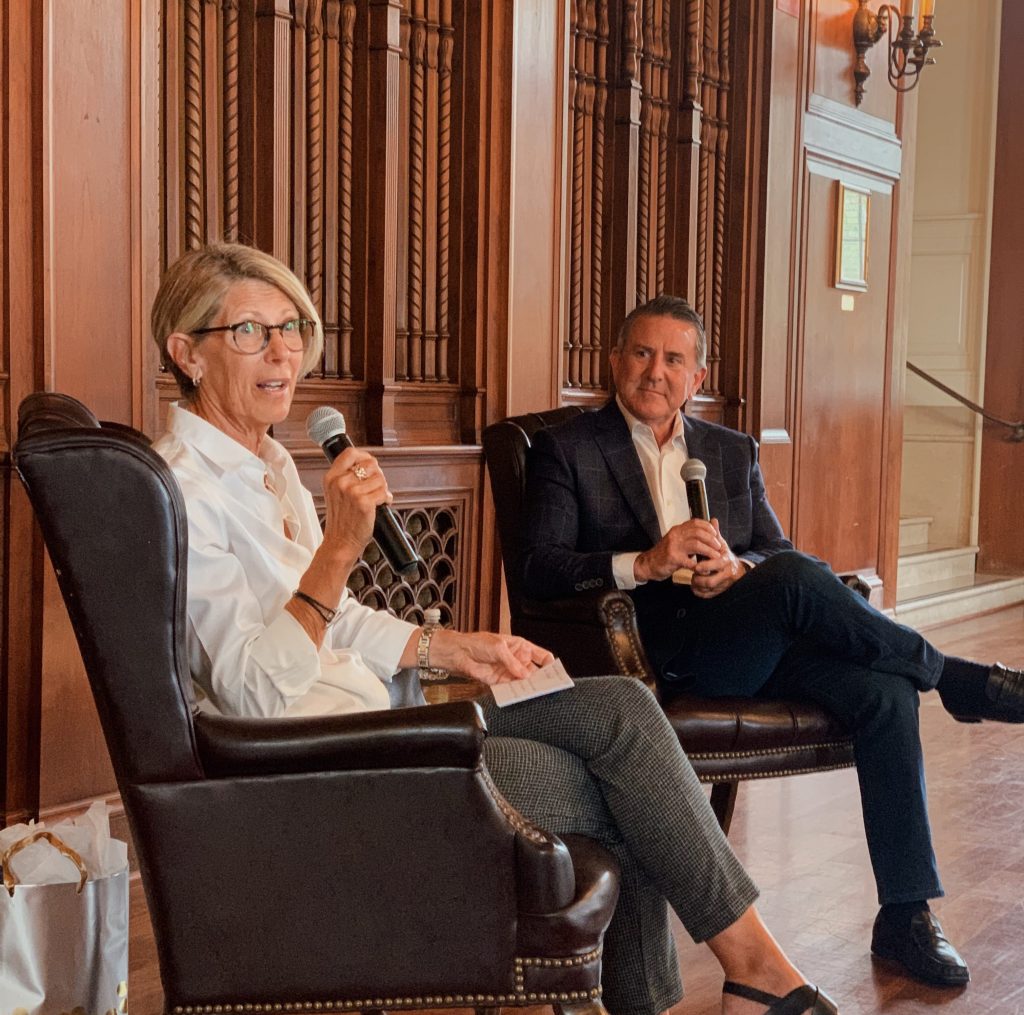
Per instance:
x=581, y=1008
x=723, y=802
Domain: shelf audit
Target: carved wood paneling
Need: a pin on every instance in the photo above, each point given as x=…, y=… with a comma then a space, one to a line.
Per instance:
x=231, y=121
x=653, y=164
x=436, y=534
x=428, y=43
x=327, y=132
x=438, y=498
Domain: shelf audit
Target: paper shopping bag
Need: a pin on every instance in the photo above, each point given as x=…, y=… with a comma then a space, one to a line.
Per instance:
x=63, y=947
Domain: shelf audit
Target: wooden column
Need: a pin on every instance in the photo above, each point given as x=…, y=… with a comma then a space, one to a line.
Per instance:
x=621, y=197
x=21, y=371
x=271, y=150
x=684, y=165
x=382, y=219
x=1002, y=462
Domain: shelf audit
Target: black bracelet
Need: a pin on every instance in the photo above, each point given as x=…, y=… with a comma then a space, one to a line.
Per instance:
x=327, y=615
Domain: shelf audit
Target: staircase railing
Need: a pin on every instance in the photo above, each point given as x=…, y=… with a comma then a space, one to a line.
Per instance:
x=1016, y=429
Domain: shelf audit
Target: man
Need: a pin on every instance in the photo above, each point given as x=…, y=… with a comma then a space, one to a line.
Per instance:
x=608, y=508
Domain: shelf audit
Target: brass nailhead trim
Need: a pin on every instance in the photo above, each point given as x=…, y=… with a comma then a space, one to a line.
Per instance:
x=514, y=818
x=793, y=749
x=571, y=960
x=420, y=1002
x=772, y=774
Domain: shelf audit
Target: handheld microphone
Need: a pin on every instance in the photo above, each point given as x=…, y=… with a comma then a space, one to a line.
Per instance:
x=326, y=427
x=694, y=473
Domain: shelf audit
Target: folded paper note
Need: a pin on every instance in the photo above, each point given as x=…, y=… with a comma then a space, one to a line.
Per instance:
x=545, y=680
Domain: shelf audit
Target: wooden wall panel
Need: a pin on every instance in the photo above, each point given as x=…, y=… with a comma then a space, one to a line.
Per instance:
x=90, y=328
x=88, y=301
x=770, y=365
x=832, y=60
x=537, y=228
x=841, y=403
x=999, y=535
x=647, y=171
x=74, y=281
x=20, y=372
x=342, y=157
x=825, y=375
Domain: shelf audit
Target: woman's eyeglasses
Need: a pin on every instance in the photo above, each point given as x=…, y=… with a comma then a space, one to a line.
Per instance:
x=251, y=337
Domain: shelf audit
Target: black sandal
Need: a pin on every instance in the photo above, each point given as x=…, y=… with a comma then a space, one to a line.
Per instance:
x=805, y=1000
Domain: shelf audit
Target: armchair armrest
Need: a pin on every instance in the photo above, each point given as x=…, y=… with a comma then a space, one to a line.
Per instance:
x=436, y=736
x=593, y=634
x=584, y=609
x=858, y=583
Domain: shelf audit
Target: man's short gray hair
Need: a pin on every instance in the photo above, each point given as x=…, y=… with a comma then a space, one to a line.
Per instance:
x=668, y=306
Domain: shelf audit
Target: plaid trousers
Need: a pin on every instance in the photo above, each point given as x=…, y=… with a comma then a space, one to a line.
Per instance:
x=600, y=759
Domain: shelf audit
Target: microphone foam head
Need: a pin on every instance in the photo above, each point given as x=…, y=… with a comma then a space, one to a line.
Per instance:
x=693, y=468
x=324, y=423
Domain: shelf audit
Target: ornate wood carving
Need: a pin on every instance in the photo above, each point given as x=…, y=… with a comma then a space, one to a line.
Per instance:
x=231, y=121
x=330, y=133
x=576, y=86
x=314, y=143
x=654, y=162
x=446, y=31
x=647, y=113
x=691, y=80
x=721, y=170
x=212, y=48
x=598, y=157
x=663, y=76
x=588, y=103
x=711, y=203
x=331, y=77
x=435, y=533
x=348, y=20
x=194, y=231
x=417, y=154
x=300, y=212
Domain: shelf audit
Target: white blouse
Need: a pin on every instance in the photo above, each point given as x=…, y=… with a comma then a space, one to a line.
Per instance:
x=252, y=532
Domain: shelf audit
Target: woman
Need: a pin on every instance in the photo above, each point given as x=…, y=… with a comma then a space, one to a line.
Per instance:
x=273, y=631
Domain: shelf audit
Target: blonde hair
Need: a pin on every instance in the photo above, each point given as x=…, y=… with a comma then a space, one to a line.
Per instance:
x=193, y=289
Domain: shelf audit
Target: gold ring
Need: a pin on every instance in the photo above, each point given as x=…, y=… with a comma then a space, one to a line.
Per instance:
x=360, y=472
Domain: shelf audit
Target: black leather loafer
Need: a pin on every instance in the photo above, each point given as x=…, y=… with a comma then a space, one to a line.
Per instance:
x=1005, y=689
x=1004, y=694
x=921, y=949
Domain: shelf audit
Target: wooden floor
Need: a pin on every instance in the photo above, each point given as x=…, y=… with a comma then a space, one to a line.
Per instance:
x=802, y=839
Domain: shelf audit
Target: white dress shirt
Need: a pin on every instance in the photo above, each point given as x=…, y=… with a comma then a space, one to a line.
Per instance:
x=663, y=470
x=252, y=532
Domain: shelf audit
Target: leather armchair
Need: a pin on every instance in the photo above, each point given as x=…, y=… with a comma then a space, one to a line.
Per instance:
x=340, y=863
x=728, y=740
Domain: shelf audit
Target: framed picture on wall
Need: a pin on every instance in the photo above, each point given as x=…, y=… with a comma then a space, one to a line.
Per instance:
x=852, y=237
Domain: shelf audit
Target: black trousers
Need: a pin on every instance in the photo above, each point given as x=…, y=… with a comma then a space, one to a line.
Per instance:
x=790, y=628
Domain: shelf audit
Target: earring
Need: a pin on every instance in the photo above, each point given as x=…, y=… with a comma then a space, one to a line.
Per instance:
x=196, y=379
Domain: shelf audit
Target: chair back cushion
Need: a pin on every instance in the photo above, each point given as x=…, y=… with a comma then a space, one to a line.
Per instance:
x=505, y=448
x=114, y=524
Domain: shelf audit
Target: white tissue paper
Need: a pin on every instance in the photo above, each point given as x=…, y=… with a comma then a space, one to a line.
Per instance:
x=88, y=835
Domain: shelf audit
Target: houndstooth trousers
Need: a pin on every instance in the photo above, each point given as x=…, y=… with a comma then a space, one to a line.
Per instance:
x=601, y=759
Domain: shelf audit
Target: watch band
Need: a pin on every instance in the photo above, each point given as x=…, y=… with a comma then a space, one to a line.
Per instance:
x=431, y=625
x=423, y=647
